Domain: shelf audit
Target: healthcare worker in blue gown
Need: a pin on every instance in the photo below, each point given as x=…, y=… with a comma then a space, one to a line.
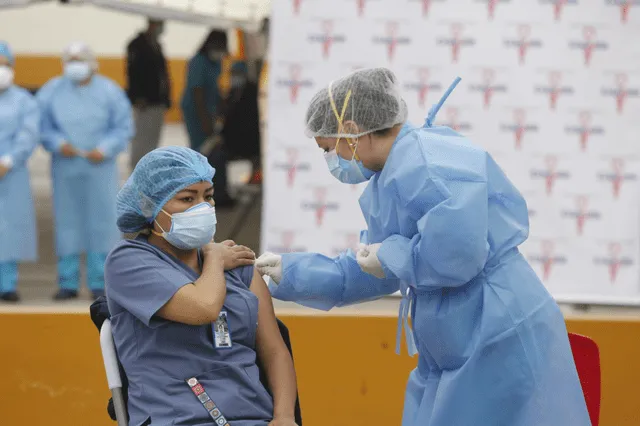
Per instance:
x=86, y=123
x=19, y=132
x=444, y=226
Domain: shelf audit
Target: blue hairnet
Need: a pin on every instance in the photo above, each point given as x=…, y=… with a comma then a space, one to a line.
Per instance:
x=5, y=51
x=158, y=176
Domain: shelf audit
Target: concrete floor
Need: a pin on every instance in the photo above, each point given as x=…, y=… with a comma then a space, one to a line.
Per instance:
x=38, y=281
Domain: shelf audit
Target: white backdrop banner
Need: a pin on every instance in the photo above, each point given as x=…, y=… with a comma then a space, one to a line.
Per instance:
x=551, y=89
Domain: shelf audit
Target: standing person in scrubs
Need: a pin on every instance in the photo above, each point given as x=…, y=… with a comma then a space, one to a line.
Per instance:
x=201, y=101
x=444, y=226
x=190, y=315
x=19, y=133
x=86, y=122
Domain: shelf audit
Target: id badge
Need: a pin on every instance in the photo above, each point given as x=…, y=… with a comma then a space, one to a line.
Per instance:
x=221, y=332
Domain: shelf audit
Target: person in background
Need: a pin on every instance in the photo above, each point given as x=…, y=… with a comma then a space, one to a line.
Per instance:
x=148, y=88
x=263, y=88
x=19, y=133
x=200, y=102
x=86, y=122
x=241, y=127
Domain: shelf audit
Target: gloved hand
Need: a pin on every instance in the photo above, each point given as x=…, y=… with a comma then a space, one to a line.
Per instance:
x=367, y=258
x=270, y=264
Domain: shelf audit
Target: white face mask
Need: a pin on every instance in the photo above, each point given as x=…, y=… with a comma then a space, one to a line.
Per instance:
x=6, y=77
x=77, y=71
x=191, y=229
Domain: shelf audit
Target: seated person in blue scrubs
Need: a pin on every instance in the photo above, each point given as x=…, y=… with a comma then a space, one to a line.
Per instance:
x=190, y=315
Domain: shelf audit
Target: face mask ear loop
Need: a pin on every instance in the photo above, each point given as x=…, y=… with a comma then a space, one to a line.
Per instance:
x=339, y=117
x=153, y=231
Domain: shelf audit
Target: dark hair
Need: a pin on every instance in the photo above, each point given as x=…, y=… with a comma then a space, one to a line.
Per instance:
x=216, y=38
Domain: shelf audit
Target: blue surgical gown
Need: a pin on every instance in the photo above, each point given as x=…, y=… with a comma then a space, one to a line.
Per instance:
x=19, y=132
x=95, y=116
x=159, y=356
x=492, y=343
x=203, y=73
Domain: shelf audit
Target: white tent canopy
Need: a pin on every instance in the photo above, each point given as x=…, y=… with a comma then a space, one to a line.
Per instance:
x=221, y=14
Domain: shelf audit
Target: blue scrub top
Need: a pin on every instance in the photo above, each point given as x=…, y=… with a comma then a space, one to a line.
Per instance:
x=160, y=355
x=204, y=73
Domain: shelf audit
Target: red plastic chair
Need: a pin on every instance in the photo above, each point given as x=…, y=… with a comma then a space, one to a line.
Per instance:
x=587, y=358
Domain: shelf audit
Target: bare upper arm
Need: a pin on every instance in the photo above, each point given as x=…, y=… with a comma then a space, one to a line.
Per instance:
x=269, y=339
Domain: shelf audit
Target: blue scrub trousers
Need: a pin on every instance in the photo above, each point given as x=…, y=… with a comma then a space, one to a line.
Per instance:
x=8, y=277
x=69, y=271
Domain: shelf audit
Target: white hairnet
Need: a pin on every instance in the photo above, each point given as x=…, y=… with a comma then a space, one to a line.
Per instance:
x=369, y=97
x=80, y=50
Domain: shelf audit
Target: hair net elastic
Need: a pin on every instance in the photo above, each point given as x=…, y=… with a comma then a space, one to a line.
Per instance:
x=157, y=177
x=6, y=52
x=80, y=50
x=369, y=97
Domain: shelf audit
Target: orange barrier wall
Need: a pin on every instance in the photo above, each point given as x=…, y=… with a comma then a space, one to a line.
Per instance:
x=348, y=374
x=34, y=71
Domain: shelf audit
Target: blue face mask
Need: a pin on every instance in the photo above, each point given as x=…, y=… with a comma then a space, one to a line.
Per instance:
x=350, y=172
x=77, y=71
x=191, y=229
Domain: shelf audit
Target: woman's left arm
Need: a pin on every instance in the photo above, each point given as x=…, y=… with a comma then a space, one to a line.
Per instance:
x=274, y=357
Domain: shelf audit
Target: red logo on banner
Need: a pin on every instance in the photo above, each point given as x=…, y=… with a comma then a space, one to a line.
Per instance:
x=295, y=82
x=287, y=244
x=425, y=7
x=519, y=127
x=589, y=36
x=423, y=76
x=625, y=8
x=452, y=120
x=392, y=33
x=361, y=5
x=585, y=129
x=582, y=213
x=558, y=6
x=488, y=76
x=520, y=117
x=550, y=174
x=614, y=266
x=621, y=96
x=554, y=90
x=555, y=78
x=547, y=258
x=621, y=92
x=524, y=31
x=456, y=32
x=292, y=166
x=328, y=38
x=292, y=156
x=296, y=7
x=392, y=39
x=617, y=176
x=321, y=195
x=614, y=261
x=456, y=41
x=488, y=88
x=320, y=205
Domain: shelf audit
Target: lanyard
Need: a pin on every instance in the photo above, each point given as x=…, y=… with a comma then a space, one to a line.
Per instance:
x=208, y=404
